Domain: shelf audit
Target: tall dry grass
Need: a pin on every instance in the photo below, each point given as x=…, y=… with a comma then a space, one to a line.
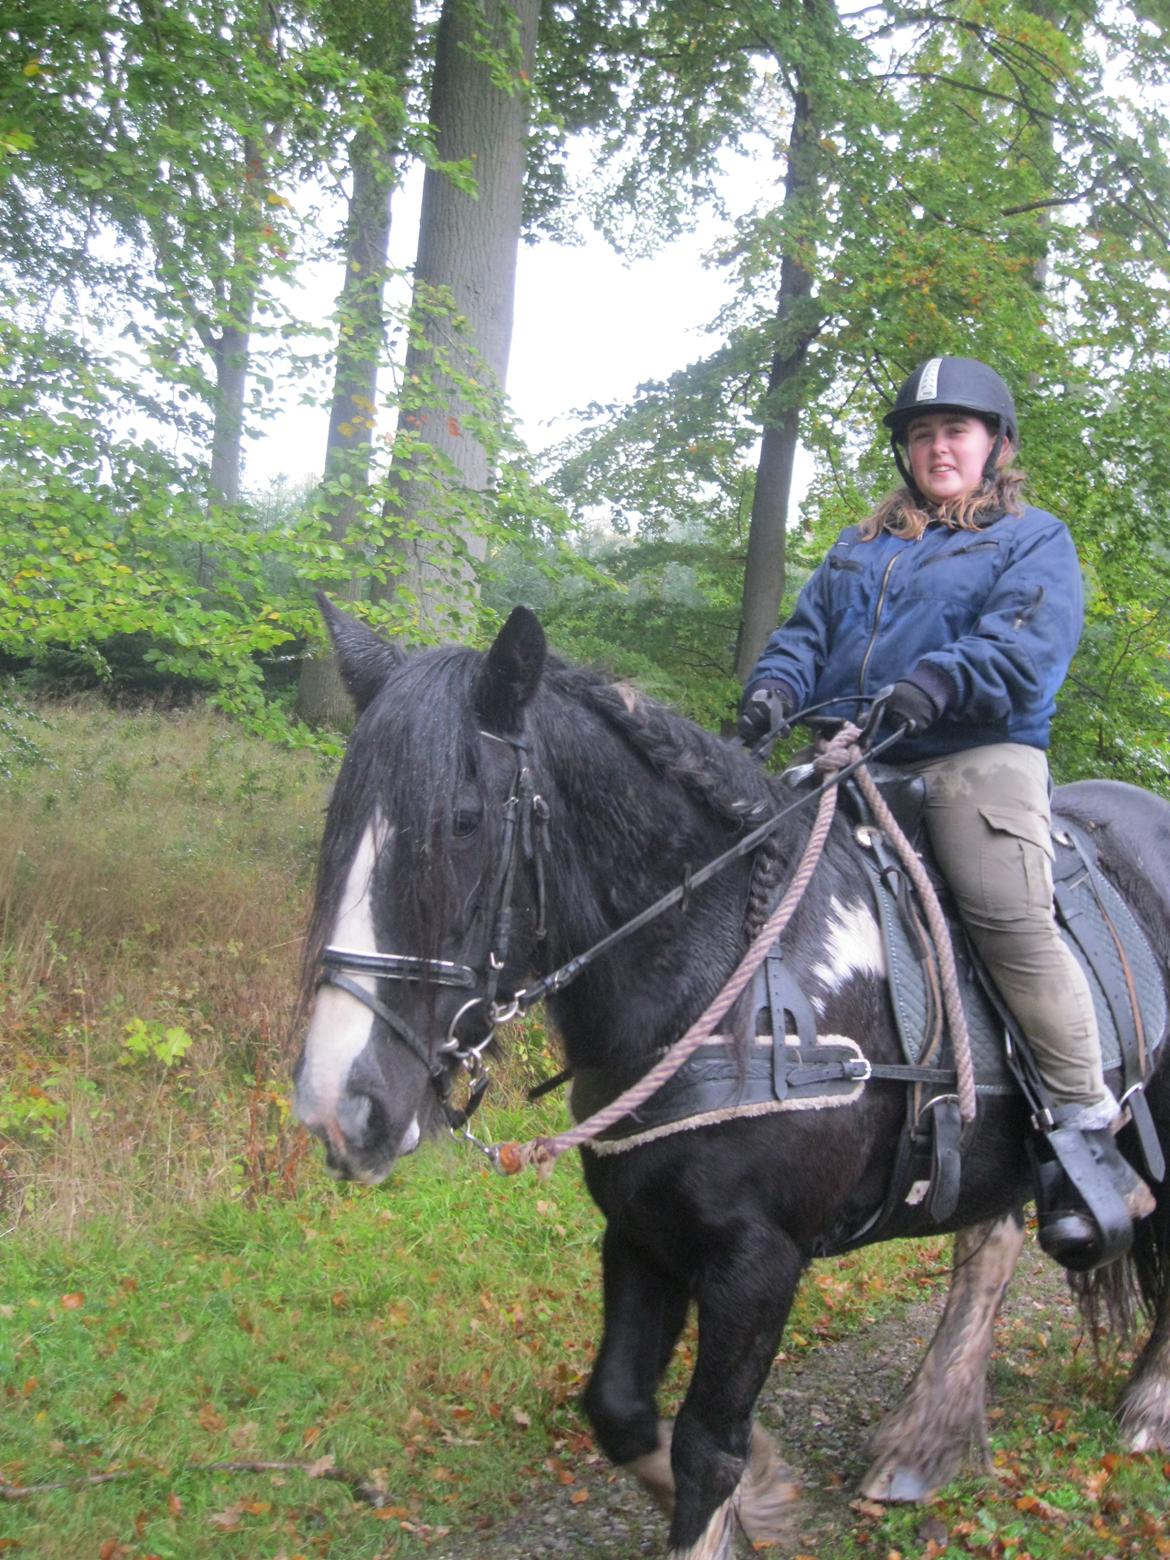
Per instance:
x=155, y=872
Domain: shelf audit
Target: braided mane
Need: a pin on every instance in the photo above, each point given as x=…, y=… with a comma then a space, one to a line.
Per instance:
x=722, y=778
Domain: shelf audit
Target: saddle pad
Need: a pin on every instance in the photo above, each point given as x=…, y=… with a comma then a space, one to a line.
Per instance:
x=911, y=1002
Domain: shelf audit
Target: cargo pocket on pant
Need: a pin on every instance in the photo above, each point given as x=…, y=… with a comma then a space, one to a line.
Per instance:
x=1015, y=864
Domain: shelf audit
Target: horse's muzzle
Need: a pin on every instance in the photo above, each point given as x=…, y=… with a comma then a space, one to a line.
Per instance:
x=362, y=1131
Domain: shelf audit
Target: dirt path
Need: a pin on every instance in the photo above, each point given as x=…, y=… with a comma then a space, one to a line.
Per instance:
x=820, y=1410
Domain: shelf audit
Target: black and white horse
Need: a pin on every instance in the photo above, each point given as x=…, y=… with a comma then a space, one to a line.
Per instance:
x=460, y=764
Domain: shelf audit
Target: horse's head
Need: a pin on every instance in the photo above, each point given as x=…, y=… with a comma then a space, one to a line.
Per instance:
x=426, y=908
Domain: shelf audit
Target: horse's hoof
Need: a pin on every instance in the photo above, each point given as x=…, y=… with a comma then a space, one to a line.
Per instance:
x=767, y=1492
x=1144, y=1414
x=1146, y=1440
x=896, y=1486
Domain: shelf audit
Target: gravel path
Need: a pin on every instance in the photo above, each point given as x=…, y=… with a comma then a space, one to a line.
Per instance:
x=819, y=1409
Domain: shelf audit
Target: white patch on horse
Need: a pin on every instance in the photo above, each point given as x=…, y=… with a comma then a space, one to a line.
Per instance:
x=853, y=946
x=340, y=1026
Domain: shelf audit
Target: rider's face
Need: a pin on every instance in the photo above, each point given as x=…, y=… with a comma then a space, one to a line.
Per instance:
x=948, y=451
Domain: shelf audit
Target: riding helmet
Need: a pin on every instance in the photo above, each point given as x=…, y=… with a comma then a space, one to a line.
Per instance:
x=944, y=384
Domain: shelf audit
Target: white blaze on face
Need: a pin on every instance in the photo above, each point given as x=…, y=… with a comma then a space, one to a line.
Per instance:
x=340, y=1026
x=853, y=946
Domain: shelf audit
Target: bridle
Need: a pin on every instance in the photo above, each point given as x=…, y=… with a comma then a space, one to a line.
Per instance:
x=525, y=837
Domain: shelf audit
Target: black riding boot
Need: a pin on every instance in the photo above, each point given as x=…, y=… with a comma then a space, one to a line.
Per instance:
x=1088, y=1196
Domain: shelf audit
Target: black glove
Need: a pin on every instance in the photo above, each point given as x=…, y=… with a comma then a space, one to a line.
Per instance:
x=910, y=706
x=764, y=713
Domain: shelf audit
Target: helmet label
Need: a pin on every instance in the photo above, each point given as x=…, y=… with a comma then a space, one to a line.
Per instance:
x=928, y=381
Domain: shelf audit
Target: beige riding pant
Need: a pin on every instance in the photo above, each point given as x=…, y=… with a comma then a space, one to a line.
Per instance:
x=987, y=816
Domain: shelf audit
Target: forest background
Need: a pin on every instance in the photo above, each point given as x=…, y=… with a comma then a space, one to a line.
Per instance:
x=983, y=177
x=175, y=181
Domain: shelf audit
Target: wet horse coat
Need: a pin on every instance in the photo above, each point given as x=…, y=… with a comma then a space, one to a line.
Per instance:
x=726, y=1218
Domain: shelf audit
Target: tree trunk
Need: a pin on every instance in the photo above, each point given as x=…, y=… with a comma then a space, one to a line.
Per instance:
x=229, y=355
x=763, y=584
x=374, y=161
x=464, y=288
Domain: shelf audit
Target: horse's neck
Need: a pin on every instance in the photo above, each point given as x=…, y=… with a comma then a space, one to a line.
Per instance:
x=625, y=846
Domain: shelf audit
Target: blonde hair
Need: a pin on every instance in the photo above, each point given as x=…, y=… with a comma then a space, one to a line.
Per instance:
x=903, y=515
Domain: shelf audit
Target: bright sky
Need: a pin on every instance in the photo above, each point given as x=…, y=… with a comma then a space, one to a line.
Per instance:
x=588, y=327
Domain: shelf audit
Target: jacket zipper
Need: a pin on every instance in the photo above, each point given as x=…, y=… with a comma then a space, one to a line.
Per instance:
x=877, y=618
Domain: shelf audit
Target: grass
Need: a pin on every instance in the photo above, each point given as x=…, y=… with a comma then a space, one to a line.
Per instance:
x=181, y=1287
x=344, y=1325
x=429, y=1339
x=154, y=873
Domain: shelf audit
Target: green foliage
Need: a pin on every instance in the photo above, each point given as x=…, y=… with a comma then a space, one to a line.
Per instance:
x=995, y=198
x=151, y=1041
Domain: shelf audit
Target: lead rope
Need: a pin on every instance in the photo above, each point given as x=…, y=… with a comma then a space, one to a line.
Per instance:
x=543, y=1152
x=941, y=937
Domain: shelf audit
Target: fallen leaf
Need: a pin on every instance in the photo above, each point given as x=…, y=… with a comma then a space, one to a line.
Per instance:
x=520, y=1418
x=226, y=1520
x=174, y=1504
x=315, y=1470
x=209, y=1417
x=73, y=1302
x=579, y=1497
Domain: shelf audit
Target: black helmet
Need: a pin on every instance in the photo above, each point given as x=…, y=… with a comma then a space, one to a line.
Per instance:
x=945, y=384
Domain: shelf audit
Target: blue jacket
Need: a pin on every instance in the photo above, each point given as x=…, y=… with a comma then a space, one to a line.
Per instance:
x=985, y=622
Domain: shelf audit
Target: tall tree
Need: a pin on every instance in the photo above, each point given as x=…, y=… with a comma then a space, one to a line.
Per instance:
x=461, y=321
x=377, y=38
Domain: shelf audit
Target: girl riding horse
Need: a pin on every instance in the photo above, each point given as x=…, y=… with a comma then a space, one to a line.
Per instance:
x=969, y=603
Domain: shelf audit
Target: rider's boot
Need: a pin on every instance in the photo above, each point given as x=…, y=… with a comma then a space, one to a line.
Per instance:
x=1068, y=1230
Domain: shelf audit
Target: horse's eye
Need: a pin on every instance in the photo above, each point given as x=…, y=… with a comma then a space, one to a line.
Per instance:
x=467, y=820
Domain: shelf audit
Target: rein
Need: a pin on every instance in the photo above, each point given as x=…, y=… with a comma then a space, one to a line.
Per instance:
x=549, y=985
x=543, y=1152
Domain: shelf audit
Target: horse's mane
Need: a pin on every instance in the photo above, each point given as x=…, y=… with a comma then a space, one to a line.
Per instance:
x=713, y=774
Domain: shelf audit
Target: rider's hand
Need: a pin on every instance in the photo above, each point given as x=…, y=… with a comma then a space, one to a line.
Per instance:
x=764, y=713
x=910, y=706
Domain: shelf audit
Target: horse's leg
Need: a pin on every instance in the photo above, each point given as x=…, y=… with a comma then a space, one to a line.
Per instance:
x=1144, y=1409
x=644, y=1314
x=923, y=1442
x=724, y=1475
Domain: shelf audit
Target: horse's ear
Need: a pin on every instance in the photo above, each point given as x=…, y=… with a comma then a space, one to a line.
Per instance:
x=364, y=660
x=510, y=672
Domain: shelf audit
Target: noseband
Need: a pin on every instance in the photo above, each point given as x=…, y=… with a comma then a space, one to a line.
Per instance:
x=526, y=815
